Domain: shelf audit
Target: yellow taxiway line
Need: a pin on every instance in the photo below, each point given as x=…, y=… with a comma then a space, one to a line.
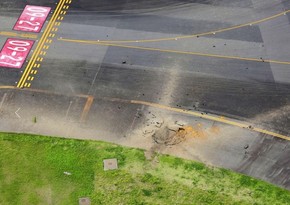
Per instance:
x=14, y=34
x=220, y=119
x=198, y=34
x=176, y=51
x=41, y=45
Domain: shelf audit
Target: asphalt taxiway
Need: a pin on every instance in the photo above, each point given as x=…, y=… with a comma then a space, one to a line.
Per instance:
x=110, y=65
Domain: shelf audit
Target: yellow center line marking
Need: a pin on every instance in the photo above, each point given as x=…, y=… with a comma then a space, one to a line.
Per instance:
x=40, y=44
x=199, y=34
x=220, y=119
x=176, y=51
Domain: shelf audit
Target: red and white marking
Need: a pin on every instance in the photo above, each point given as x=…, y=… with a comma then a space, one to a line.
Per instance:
x=32, y=18
x=15, y=52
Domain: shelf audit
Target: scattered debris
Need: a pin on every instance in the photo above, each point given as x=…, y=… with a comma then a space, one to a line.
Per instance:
x=124, y=62
x=158, y=124
x=166, y=136
x=67, y=173
x=179, y=123
x=145, y=132
x=246, y=146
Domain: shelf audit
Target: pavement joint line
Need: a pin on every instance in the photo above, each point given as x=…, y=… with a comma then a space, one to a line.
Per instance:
x=199, y=34
x=177, y=51
x=41, y=43
x=220, y=119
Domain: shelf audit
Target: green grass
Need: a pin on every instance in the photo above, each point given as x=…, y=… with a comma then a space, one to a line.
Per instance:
x=31, y=172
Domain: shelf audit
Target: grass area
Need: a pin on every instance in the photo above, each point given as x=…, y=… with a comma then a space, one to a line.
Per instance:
x=32, y=172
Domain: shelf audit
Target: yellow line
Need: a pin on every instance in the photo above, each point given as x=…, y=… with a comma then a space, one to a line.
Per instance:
x=213, y=118
x=27, y=35
x=43, y=53
x=39, y=46
x=199, y=34
x=13, y=34
x=4, y=33
x=164, y=107
x=176, y=51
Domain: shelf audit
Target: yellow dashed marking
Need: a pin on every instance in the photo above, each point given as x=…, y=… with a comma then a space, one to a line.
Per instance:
x=46, y=47
x=60, y=18
x=43, y=43
x=43, y=53
x=48, y=41
x=51, y=35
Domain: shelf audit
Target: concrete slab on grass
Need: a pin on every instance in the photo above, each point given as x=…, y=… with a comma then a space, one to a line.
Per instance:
x=110, y=164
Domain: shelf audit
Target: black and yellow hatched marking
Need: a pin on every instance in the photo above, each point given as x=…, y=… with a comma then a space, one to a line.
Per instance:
x=43, y=45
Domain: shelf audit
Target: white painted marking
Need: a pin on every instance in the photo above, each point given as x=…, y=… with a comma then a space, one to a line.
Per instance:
x=17, y=113
x=14, y=53
x=70, y=103
x=3, y=99
x=32, y=18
